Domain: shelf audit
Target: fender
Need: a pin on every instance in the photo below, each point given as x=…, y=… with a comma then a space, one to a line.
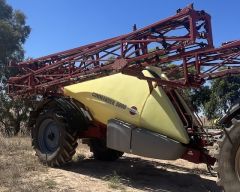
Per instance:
x=231, y=113
x=74, y=112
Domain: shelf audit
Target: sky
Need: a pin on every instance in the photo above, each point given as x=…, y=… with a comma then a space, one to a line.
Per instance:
x=59, y=25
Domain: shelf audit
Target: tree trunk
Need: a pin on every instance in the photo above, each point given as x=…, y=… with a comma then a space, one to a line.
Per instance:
x=17, y=127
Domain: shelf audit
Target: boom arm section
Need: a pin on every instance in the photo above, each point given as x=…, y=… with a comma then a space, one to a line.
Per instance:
x=187, y=31
x=184, y=41
x=192, y=69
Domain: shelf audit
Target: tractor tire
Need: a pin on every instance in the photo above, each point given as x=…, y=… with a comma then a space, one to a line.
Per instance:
x=53, y=140
x=228, y=158
x=102, y=152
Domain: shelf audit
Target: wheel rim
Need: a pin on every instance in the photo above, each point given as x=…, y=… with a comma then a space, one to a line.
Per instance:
x=237, y=164
x=49, y=136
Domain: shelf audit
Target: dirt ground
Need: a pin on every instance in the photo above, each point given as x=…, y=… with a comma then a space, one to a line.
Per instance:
x=21, y=171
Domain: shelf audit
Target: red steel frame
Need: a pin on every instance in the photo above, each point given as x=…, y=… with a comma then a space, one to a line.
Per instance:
x=188, y=31
x=195, y=67
x=184, y=40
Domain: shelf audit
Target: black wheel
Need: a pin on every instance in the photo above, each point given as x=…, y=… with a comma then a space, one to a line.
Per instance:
x=101, y=152
x=229, y=159
x=53, y=140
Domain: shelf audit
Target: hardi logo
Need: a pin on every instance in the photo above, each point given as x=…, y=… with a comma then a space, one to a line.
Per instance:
x=133, y=110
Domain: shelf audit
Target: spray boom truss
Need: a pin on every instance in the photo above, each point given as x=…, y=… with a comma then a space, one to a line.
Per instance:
x=184, y=41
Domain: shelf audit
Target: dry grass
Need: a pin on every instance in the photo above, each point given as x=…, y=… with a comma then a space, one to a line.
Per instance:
x=19, y=168
x=21, y=171
x=115, y=182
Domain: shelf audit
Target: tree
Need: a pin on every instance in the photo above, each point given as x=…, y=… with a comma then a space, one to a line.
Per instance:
x=199, y=97
x=214, y=100
x=13, y=34
x=13, y=114
x=225, y=92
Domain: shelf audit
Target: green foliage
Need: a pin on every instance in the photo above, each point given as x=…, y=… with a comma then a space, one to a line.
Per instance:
x=199, y=97
x=13, y=34
x=225, y=93
x=216, y=99
x=13, y=113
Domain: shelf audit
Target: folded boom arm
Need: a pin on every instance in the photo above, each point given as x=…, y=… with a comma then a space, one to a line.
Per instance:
x=183, y=40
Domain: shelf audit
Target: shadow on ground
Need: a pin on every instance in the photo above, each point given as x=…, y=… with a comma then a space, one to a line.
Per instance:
x=146, y=175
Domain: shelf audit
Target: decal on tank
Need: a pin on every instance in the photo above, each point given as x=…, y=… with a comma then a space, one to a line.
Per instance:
x=133, y=110
x=109, y=101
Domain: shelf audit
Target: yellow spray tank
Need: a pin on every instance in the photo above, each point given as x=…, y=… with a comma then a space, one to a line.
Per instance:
x=131, y=100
